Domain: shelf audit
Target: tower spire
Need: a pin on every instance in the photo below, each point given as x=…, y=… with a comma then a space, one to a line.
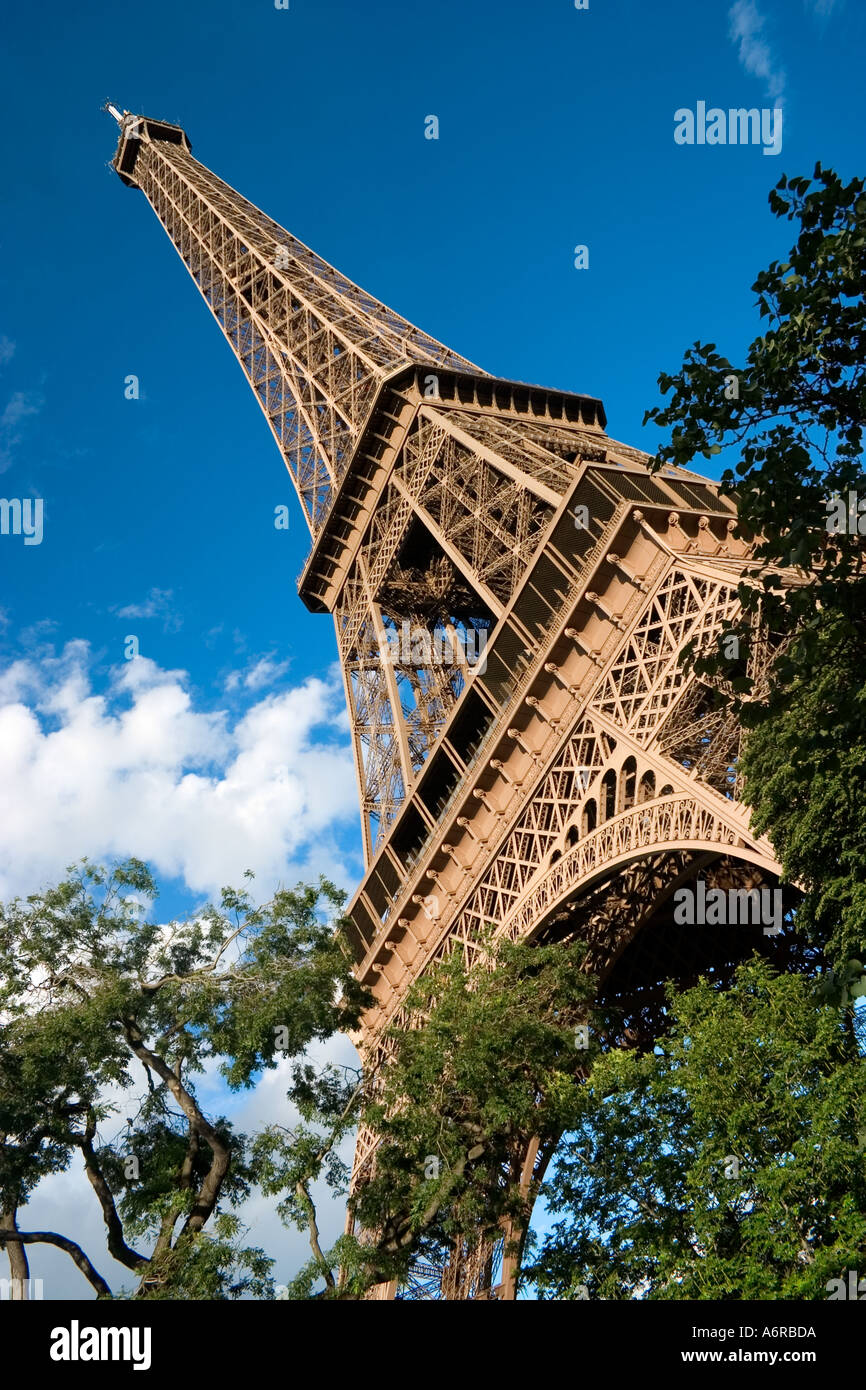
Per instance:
x=314, y=346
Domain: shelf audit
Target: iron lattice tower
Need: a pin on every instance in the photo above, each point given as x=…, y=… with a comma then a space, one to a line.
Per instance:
x=576, y=776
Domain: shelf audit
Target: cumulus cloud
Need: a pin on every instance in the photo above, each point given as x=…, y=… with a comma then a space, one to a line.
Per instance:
x=140, y=767
x=138, y=770
x=746, y=30
x=7, y=350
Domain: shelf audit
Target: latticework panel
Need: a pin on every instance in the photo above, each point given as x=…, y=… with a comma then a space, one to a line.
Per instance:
x=679, y=820
x=492, y=521
x=444, y=552
x=398, y=699
x=646, y=677
x=547, y=455
x=589, y=780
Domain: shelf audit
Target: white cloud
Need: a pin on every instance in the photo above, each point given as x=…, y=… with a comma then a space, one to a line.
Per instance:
x=156, y=605
x=138, y=770
x=262, y=672
x=746, y=29
x=7, y=350
x=822, y=8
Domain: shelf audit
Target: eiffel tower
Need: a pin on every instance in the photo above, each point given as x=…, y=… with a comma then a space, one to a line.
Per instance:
x=511, y=589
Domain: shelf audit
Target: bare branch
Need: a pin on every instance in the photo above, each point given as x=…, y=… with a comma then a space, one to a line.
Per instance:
x=74, y=1251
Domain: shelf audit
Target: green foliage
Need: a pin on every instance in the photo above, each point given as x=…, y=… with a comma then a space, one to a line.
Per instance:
x=172, y=1164
x=726, y=1164
x=211, y=1266
x=795, y=425
x=41, y=1089
x=803, y=768
x=97, y=995
x=489, y=1059
x=289, y=1160
x=293, y=962
x=796, y=429
x=360, y=1266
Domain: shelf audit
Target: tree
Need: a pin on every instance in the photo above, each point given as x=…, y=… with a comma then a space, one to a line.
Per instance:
x=290, y=1159
x=94, y=994
x=793, y=416
x=41, y=1094
x=728, y=1163
x=491, y=1060
x=802, y=769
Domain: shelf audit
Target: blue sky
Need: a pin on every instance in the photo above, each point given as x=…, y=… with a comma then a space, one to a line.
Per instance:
x=227, y=746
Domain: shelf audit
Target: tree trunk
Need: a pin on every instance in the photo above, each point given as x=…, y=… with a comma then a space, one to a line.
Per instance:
x=19, y=1267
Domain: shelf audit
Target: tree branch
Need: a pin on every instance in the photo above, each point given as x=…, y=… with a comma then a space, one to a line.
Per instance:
x=117, y=1246
x=75, y=1252
x=211, y=1185
x=313, y=1228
